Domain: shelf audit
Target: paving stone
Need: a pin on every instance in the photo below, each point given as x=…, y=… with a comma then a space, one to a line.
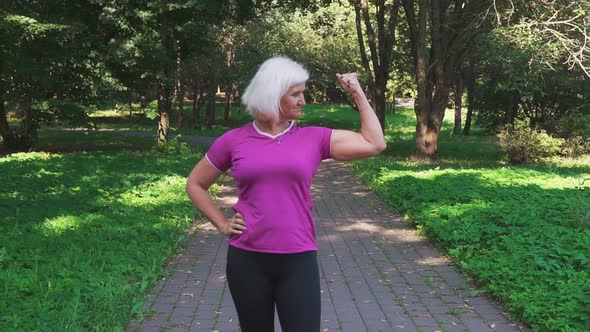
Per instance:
x=376, y=274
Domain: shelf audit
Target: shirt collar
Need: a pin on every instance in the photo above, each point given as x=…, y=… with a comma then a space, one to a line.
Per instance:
x=291, y=125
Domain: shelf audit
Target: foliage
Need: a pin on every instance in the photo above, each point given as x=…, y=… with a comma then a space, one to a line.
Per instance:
x=575, y=128
x=522, y=144
x=52, y=112
x=575, y=146
x=572, y=125
x=83, y=236
x=323, y=40
x=525, y=69
x=44, y=55
x=17, y=140
x=522, y=233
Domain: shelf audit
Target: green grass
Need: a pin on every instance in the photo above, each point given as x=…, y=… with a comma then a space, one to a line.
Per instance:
x=523, y=233
x=84, y=235
x=55, y=139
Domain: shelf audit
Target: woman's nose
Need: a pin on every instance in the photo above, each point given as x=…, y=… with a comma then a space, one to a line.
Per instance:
x=302, y=100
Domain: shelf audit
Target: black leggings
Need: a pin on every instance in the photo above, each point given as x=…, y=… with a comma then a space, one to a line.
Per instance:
x=259, y=281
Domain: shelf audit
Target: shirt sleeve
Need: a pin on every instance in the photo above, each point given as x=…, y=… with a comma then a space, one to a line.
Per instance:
x=220, y=153
x=325, y=147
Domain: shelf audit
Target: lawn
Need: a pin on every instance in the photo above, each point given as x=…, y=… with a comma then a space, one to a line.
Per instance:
x=84, y=235
x=522, y=233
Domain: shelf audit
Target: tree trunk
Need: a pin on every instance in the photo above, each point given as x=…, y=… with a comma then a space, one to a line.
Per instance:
x=143, y=104
x=164, y=110
x=210, y=112
x=180, y=99
x=435, y=64
x=380, y=44
x=227, y=107
x=197, y=104
x=197, y=96
x=237, y=98
x=29, y=123
x=459, y=87
x=469, y=78
x=379, y=103
x=4, y=129
x=426, y=140
x=179, y=85
x=512, y=108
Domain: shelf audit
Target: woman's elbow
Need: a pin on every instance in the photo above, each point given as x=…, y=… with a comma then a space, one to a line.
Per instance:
x=381, y=147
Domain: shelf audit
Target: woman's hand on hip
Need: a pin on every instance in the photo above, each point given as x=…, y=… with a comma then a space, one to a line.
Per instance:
x=235, y=226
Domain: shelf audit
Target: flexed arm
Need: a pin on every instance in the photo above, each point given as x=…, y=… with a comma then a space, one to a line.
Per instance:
x=350, y=145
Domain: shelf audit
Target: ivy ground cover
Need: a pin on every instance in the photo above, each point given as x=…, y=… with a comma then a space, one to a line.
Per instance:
x=522, y=233
x=83, y=236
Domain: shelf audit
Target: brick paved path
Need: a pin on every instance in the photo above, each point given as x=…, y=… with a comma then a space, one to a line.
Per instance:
x=376, y=274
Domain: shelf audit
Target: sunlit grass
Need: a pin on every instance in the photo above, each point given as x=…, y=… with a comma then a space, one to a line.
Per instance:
x=516, y=230
x=83, y=236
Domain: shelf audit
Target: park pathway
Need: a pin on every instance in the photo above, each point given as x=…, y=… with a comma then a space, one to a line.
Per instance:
x=376, y=274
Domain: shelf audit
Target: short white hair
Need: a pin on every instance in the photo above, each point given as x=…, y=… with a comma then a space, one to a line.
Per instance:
x=272, y=80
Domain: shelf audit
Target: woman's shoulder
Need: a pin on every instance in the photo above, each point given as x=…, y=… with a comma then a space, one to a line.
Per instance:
x=234, y=135
x=315, y=130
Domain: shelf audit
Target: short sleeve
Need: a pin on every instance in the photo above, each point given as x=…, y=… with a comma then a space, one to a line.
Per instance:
x=220, y=153
x=325, y=142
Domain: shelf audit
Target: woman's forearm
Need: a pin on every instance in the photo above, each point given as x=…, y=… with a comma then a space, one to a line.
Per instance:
x=370, y=125
x=204, y=203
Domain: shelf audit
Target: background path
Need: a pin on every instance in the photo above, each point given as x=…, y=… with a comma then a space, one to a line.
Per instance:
x=376, y=274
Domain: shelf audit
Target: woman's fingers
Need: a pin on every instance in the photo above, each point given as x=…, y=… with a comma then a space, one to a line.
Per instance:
x=348, y=81
x=237, y=225
x=239, y=220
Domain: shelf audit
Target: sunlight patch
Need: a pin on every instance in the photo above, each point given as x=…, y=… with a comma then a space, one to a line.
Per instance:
x=433, y=261
x=59, y=224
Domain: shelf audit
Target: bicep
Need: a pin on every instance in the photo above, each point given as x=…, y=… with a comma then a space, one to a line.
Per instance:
x=203, y=174
x=350, y=145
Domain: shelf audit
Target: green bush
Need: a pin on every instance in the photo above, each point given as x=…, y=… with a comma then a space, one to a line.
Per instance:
x=17, y=140
x=522, y=144
x=574, y=125
x=575, y=146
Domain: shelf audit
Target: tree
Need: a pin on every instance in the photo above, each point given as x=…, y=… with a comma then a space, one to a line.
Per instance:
x=533, y=64
x=153, y=40
x=323, y=40
x=380, y=43
x=441, y=32
x=46, y=62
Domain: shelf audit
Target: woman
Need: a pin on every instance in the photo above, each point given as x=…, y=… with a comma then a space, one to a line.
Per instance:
x=271, y=258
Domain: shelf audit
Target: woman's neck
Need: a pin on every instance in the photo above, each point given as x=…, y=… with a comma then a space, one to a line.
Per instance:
x=272, y=127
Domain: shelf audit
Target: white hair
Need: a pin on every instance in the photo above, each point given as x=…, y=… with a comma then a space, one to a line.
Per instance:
x=272, y=80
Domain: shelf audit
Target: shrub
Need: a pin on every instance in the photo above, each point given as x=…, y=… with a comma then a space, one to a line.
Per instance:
x=522, y=144
x=16, y=139
x=574, y=125
x=575, y=146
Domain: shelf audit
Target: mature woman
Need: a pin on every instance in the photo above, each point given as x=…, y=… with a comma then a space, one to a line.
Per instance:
x=271, y=259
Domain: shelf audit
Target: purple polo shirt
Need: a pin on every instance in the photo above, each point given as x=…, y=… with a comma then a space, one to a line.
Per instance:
x=273, y=175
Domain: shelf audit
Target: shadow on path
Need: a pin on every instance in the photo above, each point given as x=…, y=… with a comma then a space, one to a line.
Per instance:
x=376, y=274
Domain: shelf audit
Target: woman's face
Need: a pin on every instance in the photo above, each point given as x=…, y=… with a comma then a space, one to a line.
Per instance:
x=292, y=102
